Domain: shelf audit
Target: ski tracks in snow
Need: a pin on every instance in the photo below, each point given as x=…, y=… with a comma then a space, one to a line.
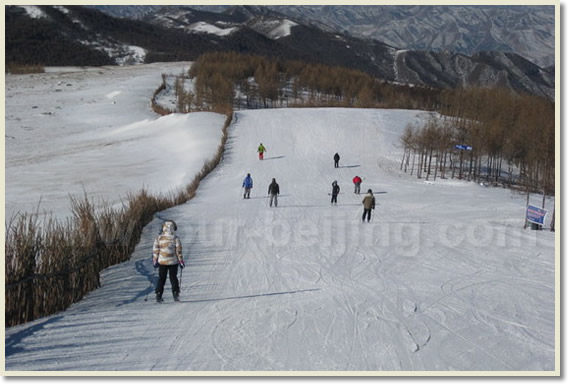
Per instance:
x=308, y=286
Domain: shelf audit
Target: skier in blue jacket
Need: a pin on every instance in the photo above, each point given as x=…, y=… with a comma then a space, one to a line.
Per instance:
x=247, y=185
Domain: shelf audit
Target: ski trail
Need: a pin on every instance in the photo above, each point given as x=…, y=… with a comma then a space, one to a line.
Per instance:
x=307, y=286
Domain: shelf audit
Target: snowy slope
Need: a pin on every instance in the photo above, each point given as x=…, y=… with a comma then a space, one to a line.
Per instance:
x=209, y=28
x=443, y=278
x=72, y=130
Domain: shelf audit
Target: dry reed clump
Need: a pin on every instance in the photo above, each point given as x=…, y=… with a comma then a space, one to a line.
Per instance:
x=53, y=264
x=162, y=111
x=24, y=69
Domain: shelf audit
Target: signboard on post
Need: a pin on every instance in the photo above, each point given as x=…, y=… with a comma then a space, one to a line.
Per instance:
x=464, y=147
x=536, y=215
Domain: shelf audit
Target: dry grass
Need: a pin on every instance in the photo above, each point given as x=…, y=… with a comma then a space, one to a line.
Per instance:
x=17, y=69
x=53, y=264
x=162, y=111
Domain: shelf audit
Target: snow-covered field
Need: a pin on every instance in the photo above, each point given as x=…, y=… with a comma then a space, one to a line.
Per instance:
x=444, y=278
x=74, y=130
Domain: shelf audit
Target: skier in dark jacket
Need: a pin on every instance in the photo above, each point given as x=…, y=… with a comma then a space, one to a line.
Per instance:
x=247, y=185
x=336, y=160
x=368, y=205
x=274, y=191
x=334, y=192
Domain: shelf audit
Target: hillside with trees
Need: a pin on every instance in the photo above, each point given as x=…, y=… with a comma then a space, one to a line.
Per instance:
x=487, y=135
x=511, y=136
x=262, y=82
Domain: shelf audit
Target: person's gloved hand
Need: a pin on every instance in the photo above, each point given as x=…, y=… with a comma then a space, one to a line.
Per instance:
x=181, y=264
x=155, y=263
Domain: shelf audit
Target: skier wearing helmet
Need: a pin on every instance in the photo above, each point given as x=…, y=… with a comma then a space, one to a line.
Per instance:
x=166, y=257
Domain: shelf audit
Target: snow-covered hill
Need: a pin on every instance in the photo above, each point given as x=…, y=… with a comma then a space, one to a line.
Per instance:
x=74, y=130
x=443, y=278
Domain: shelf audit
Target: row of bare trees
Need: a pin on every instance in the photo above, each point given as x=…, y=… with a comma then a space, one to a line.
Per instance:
x=268, y=83
x=485, y=134
x=508, y=138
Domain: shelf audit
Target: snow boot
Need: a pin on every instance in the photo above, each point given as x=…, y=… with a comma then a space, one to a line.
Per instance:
x=159, y=298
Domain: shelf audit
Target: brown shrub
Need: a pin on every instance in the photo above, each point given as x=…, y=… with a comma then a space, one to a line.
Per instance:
x=19, y=69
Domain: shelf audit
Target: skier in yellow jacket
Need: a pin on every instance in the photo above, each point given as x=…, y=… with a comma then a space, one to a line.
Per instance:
x=261, y=150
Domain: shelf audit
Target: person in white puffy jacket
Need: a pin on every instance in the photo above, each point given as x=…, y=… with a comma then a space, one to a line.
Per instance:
x=166, y=257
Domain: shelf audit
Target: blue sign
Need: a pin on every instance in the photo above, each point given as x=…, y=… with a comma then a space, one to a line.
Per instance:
x=536, y=215
x=464, y=147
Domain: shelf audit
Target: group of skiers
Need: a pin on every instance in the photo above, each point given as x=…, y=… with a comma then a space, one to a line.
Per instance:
x=167, y=250
x=368, y=201
x=274, y=189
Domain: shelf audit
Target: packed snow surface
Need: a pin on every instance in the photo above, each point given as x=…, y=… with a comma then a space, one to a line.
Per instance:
x=74, y=130
x=443, y=278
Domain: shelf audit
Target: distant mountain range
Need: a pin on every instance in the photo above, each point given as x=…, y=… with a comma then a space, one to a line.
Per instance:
x=525, y=30
x=74, y=35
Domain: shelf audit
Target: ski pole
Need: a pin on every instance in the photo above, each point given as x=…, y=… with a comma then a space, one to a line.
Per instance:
x=180, y=276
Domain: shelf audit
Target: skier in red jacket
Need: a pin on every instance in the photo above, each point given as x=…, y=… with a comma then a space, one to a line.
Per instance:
x=357, y=181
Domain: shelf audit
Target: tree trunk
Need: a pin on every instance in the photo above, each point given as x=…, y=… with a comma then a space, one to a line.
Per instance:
x=510, y=175
x=429, y=163
x=452, y=165
x=470, y=174
x=528, y=194
x=461, y=164
x=479, y=168
x=436, y=166
x=419, y=170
